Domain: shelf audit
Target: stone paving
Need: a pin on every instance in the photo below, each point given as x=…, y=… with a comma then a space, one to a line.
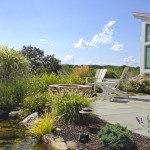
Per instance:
x=125, y=111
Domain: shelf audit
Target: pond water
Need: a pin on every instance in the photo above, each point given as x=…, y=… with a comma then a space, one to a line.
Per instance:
x=13, y=136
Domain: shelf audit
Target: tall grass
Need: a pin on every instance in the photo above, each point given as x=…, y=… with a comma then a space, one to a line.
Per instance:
x=12, y=64
x=69, y=104
x=12, y=93
x=82, y=71
x=14, y=70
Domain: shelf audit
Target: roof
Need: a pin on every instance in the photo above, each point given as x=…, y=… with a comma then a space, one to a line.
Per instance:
x=142, y=16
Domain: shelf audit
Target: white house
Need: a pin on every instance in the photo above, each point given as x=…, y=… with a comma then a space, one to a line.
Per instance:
x=145, y=42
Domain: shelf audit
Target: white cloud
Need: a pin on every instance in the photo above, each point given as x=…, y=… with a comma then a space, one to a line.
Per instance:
x=81, y=44
x=117, y=46
x=105, y=37
x=130, y=61
x=110, y=24
x=68, y=59
x=43, y=40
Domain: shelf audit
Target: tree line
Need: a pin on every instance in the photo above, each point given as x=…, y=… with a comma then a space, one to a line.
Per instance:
x=48, y=64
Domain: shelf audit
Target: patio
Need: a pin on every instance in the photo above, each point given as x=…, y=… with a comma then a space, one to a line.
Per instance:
x=125, y=111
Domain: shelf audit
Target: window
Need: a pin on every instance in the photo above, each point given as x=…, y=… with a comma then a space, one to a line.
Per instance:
x=147, y=32
x=147, y=63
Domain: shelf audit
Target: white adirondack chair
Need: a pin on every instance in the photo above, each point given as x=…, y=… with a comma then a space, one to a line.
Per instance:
x=110, y=86
x=99, y=76
x=116, y=88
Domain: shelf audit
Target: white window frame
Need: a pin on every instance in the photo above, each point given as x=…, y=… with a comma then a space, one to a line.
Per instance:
x=144, y=44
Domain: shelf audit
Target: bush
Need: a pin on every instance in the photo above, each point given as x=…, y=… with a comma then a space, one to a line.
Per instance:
x=44, y=125
x=38, y=102
x=41, y=83
x=111, y=74
x=72, y=79
x=69, y=104
x=140, y=84
x=115, y=137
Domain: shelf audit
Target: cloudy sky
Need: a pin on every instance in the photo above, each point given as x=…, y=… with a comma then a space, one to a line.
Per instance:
x=77, y=31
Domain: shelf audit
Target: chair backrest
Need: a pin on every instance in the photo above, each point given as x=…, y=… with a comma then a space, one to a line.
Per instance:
x=122, y=76
x=100, y=74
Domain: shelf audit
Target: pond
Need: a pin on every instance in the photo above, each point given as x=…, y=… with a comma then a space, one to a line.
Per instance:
x=14, y=136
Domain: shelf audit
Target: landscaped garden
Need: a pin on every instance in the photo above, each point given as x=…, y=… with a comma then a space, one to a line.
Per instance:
x=24, y=80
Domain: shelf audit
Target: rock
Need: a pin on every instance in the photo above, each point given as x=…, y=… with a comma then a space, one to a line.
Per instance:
x=59, y=139
x=14, y=115
x=52, y=142
x=28, y=121
x=60, y=146
x=58, y=130
x=71, y=145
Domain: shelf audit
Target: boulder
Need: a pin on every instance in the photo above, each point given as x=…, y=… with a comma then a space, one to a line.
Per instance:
x=28, y=121
x=52, y=142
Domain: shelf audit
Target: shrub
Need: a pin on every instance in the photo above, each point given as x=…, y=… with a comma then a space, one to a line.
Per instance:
x=115, y=137
x=44, y=125
x=140, y=84
x=69, y=104
x=73, y=79
x=41, y=83
x=38, y=102
x=111, y=74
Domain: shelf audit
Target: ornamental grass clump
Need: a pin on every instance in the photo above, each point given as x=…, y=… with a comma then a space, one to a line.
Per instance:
x=14, y=72
x=82, y=71
x=43, y=125
x=70, y=103
x=115, y=137
x=12, y=64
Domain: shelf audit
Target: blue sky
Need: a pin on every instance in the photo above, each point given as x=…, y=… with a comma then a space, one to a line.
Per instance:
x=77, y=31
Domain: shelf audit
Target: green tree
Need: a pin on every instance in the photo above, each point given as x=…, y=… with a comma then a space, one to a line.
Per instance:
x=34, y=55
x=39, y=62
x=51, y=64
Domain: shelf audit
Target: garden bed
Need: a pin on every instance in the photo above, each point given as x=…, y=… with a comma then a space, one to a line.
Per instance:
x=71, y=133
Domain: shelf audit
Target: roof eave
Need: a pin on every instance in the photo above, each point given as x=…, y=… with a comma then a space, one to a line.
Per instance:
x=142, y=16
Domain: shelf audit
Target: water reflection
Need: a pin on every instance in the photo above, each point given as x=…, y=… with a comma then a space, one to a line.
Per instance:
x=13, y=137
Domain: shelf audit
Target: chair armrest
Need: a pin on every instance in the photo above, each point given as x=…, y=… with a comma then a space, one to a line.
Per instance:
x=110, y=79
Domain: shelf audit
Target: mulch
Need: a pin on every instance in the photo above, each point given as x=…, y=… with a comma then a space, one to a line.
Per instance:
x=72, y=132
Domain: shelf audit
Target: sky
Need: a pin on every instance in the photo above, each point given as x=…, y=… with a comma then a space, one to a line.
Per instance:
x=79, y=32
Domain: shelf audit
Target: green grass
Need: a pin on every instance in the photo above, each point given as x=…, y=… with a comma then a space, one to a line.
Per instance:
x=44, y=125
